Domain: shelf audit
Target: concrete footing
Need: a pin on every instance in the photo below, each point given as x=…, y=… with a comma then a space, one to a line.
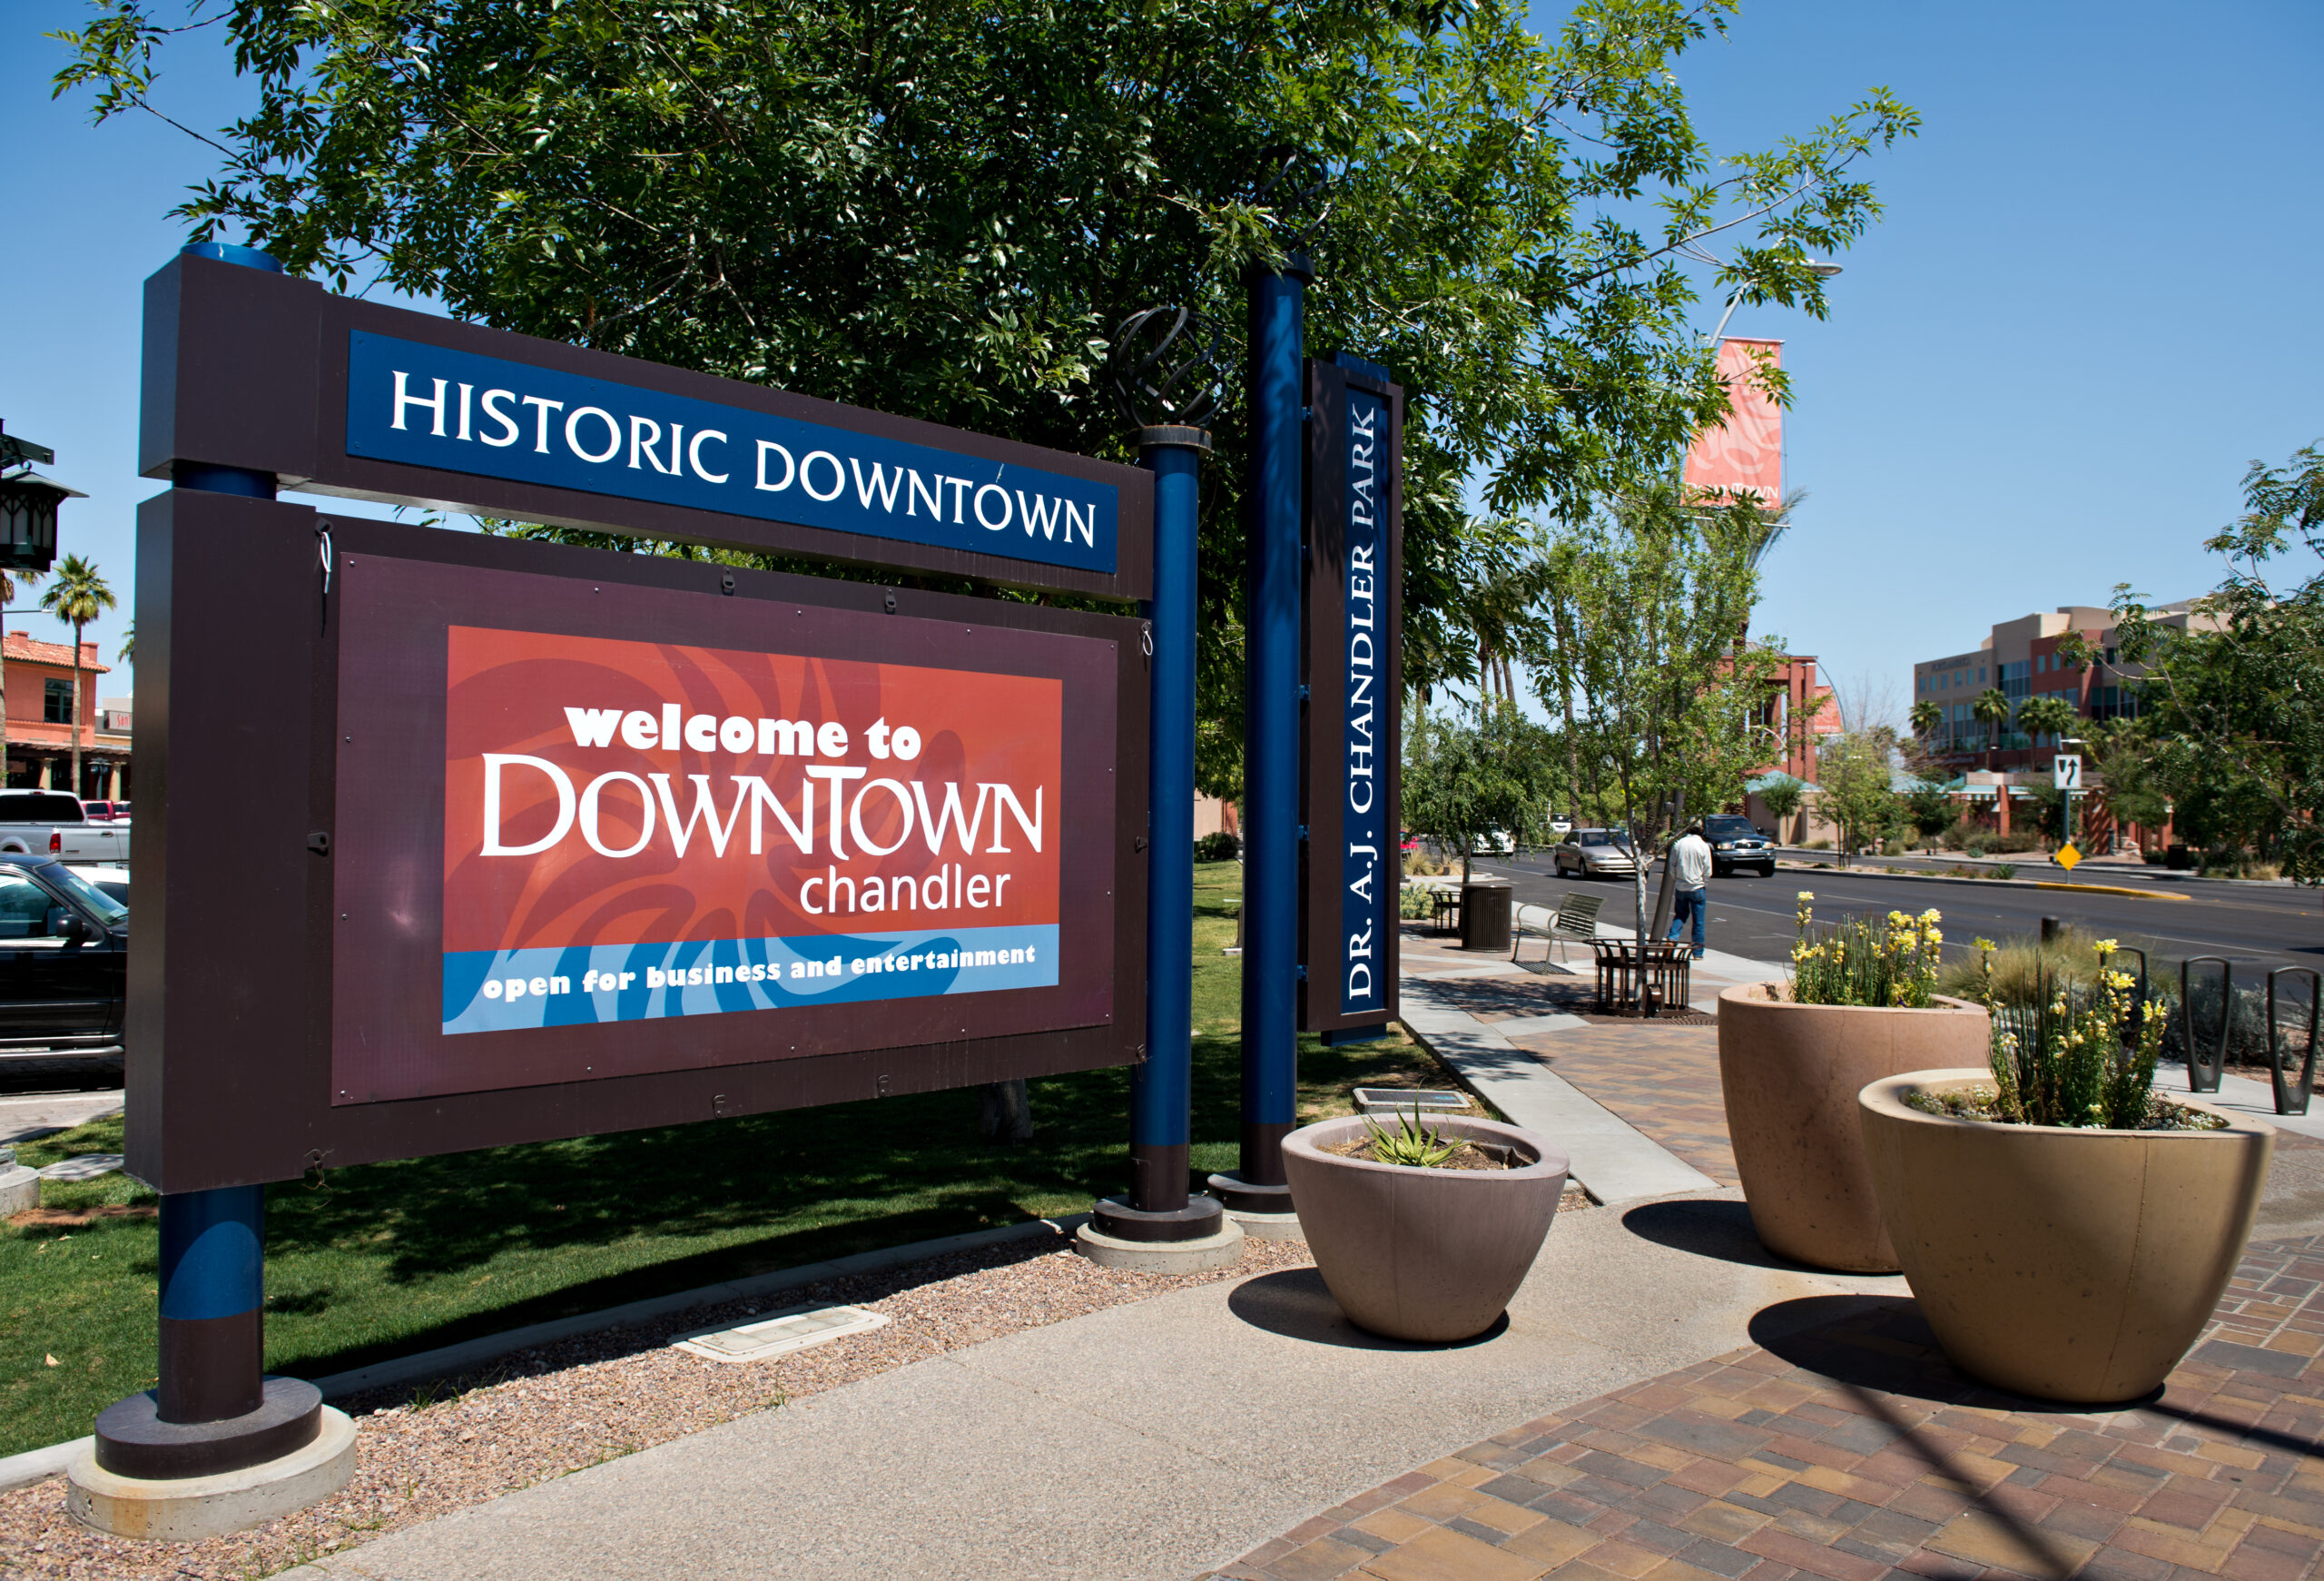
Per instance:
x=1224, y=1249
x=19, y=1190
x=187, y=1509
x=1269, y=1226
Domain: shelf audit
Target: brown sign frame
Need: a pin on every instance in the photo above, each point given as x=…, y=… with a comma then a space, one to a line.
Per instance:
x=1324, y=666
x=248, y=369
x=237, y=882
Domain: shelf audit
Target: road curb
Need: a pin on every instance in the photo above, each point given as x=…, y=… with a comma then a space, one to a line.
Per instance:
x=1989, y=882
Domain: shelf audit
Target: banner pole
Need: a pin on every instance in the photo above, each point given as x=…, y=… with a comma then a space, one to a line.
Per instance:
x=1161, y=1227
x=1162, y=1086
x=1272, y=731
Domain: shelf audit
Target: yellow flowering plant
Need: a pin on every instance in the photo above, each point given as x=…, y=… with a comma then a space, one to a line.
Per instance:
x=1891, y=964
x=2079, y=1056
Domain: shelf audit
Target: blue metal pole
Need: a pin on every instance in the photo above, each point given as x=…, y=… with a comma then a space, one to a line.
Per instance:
x=1162, y=1088
x=213, y=1287
x=1271, y=737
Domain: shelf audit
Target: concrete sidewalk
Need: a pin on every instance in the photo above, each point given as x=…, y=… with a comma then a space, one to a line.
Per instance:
x=1150, y=1440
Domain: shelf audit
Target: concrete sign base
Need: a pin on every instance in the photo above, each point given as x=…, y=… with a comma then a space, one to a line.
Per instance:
x=1224, y=1249
x=187, y=1509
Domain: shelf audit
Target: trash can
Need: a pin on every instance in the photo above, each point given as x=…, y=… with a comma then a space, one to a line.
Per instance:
x=1485, y=914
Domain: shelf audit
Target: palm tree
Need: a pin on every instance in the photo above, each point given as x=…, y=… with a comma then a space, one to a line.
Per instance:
x=1926, y=717
x=1992, y=710
x=2047, y=715
x=128, y=654
x=78, y=596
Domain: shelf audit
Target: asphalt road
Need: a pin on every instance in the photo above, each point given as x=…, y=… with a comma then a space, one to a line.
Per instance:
x=2256, y=927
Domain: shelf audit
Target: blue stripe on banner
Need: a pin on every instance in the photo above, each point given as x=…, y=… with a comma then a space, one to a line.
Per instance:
x=429, y=406
x=578, y=986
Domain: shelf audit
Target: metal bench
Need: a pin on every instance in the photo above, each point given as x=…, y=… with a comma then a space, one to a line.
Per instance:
x=1576, y=918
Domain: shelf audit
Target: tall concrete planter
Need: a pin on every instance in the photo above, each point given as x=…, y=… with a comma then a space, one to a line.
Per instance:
x=2066, y=1264
x=1432, y=1255
x=1790, y=1074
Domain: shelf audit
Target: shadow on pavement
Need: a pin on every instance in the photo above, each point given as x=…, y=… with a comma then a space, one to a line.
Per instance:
x=1705, y=1227
x=1296, y=1304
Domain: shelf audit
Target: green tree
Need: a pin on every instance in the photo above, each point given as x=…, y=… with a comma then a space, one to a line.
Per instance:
x=1926, y=717
x=77, y=595
x=1645, y=603
x=1856, y=774
x=2229, y=724
x=2127, y=778
x=943, y=211
x=2047, y=715
x=1930, y=809
x=1781, y=796
x=1467, y=780
x=1991, y=709
x=128, y=652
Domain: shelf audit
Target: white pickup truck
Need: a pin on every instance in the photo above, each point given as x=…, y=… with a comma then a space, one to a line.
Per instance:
x=48, y=822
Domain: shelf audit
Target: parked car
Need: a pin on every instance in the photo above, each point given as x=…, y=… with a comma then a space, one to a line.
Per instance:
x=1560, y=825
x=49, y=823
x=63, y=961
x=1737, y=843
x=1496, y=844
x=1593, y=854
x=113, y=880
x=106, y=812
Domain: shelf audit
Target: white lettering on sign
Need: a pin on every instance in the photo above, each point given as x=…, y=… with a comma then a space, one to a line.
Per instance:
x=675, y=819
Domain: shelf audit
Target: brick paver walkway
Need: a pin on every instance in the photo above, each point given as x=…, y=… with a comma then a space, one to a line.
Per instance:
x=1662, y=1080
x=1847, y=1449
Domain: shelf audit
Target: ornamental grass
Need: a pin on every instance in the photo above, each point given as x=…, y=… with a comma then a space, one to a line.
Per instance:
x=1891, y=966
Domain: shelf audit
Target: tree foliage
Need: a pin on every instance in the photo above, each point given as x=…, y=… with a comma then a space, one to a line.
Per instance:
x=1644, y=606
x=943, y=209
x=2231, y=720
x=1466, y=780
x=1855, y=771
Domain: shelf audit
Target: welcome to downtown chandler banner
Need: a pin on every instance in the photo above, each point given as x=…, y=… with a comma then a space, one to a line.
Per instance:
x=638, y=830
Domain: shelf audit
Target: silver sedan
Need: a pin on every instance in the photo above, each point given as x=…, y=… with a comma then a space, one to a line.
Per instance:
x=1593, y=854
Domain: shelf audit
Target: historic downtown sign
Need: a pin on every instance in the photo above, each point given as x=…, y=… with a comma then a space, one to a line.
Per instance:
x=534, y=840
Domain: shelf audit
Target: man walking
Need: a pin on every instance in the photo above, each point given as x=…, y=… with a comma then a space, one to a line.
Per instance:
x=1690, y=861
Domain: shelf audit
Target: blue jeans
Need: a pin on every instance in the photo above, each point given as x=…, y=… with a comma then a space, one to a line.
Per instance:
x=1682, y=903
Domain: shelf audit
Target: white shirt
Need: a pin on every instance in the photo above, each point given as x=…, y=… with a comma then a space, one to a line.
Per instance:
x=1692, y=856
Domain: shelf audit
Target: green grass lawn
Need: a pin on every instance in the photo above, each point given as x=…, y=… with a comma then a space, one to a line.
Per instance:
x=383, y=1259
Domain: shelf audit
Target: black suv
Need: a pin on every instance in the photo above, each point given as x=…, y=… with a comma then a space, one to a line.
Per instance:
x=1736, y=845
x=63, y=961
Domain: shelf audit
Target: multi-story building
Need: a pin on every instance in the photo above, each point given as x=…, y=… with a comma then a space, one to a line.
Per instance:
x=39, y=721
x=2021, y=659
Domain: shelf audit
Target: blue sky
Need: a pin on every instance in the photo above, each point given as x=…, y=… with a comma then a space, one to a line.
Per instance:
x=2091, y=302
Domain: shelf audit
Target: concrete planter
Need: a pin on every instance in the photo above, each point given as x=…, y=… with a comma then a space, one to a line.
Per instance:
x=2065, y=1264
x=1432, y=1255
x=1789, y=1075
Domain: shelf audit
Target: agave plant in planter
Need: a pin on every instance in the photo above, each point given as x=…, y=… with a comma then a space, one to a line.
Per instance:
x=1861, y=1004
x=2067, y=1230
x=1424, y=1232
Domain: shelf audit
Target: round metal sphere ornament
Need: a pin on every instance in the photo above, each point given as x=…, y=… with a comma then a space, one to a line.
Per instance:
x=1165, y=374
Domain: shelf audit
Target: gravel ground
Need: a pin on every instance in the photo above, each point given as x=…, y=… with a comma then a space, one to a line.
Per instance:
x=542, y=1413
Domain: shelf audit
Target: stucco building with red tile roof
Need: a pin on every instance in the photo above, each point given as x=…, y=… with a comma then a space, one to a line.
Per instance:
x=40, y=722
